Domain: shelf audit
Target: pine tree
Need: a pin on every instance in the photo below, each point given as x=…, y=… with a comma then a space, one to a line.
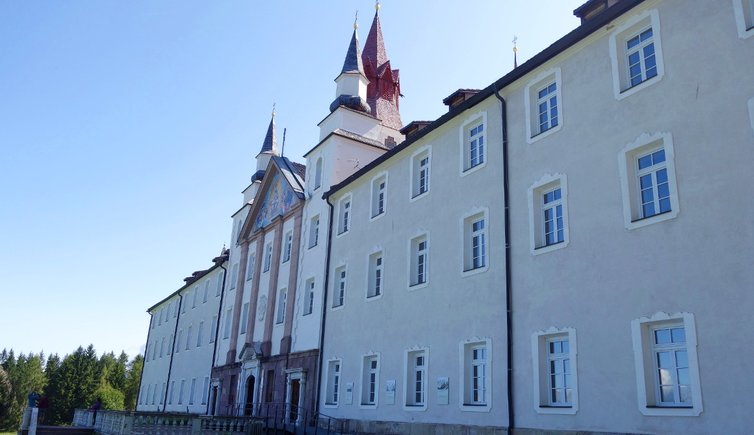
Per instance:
x=133, y=381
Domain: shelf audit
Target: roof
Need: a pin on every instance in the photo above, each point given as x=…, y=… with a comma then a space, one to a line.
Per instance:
x=567, y=41
x=270, y=142
x=352, y=63
x=374, y=47
x=349, y=135
x=219, y=260
x=451, y=99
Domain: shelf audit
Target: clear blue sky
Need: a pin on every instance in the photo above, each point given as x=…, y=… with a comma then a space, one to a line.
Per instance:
x=129, y=129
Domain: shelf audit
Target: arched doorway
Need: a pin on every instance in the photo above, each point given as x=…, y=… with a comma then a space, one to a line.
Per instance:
x=249, y=405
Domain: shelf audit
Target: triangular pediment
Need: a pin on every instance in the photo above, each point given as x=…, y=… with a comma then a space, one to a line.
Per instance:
x=281, y=191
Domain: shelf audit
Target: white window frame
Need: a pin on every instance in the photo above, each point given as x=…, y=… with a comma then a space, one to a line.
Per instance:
x=471, y=122
x=468, y=235
x=287, y=246
x=206, y=292
x=340, y=287
x=466, y=365
x=531, y=104
x=188, y=337
x=267, y=257
x=410, y=380
x=641, y=334
x=200, y=334
x=628, y=169
x=419, y=170
x=618, y=52
x=541, y=372
x=537, y=238
x=318, y=173
x=345, y=215
x=379, y=196
x=415, y=259
x=313, y=231
x=281, y=302
x=333, y=389
x=309, y=294
x=368, y=381
x=744, y=13
x=196, y=297
x=251, y=261
x=375, y=275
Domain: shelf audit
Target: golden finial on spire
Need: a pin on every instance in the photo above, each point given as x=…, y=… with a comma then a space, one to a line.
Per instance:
x=356, y=20
x=515, y=52
x=377, y=5
x=273, y=109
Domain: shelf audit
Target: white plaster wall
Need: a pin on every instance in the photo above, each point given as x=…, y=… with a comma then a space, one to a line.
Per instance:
x=283, y=275
x=358, y=123
x=698, y=262
x=451, y=309
x=156, y=370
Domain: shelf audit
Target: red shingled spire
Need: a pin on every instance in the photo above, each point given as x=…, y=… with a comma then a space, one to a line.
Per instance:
x=384, y=85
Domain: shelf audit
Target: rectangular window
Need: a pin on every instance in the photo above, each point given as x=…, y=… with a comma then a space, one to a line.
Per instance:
x=228, y=319
x=654, y=190
x=288, y=246
x=475, y=242
x=476, y=381
x=552, y=217
x=178, y=340
x=205, y=390
x=333, y=383
x=282, y=299
x=476, y=145
x=180, y=393
x=193, y=391
x=419, y=260
x=250, y=263
x=379, y=186
x=309, y=297
x=318, y=174
x=370, y=380
x=200, y=334
x=344, y=213
x=416, y=378
x=206, y=292
x=270, y=386
x=543, y=105
x=162, y=393
x=640, y=57
x=233, y=276
x=186, y=296
x=314, y=231
x=667, y=366
x=188, y=337
x=547, y=107
x=162, y=347
x=548, y=214
x=339, y=295
x=154, y=394
x=172, y=392
x=244, y=317
x=196, y=297
x=374, y=287
x=478, y=375
x=267, y=256
x=636, y=54
x=420, y=173
x=219, y=288
x=213, y=329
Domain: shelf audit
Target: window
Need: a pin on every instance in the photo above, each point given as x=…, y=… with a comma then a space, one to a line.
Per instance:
x=667, y=369
x=233, y=276
x=180, y=393
x=172, y=392
x=636, y=54
x=213, y=330
x=379, y=186
x=219, y=284
x=339, y=295
x=318, y=174
x=282, y=299
x=744, y=12
x=228, y=318
x=250, y=263
x=416, y=379
x=554, y=359
x=475, y=242
x=267, y=256
x=648, y=180
x=188, y=337
x=175, y=309
x=333, y=383
x=193, y=390
x=476, y=382
x=244, y=317
x=187, y=295
x=420, y=172
x=196, y=296
x=162, y=393
x=206, y=292
x=314, y=231
x=370, y=380
x=149, y=392
x=200, y=334
x=162, y=347
x=288, y=246
x=205, y=390
x=543, y=105
x=344, y=215
x=473, y=142
x=376, y=277
x=419, y=249
x=178, y=340
x=309, y=296
x=548, y=217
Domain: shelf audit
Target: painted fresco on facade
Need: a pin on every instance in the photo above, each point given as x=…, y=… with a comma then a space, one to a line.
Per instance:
x=278, y=201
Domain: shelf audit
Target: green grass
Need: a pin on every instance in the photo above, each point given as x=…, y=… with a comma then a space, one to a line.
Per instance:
x=7, y=433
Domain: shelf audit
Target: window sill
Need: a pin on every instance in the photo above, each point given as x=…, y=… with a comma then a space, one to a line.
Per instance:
x=415, y=408
x=543, y=134
x=660, y=217
x=474, y=271
x=626, y=92
x=419, y=196
x=554, y=409
x=472, y=169
x=473, y=407
x=549, y=248
x=417, y=285
x=374, y=297
x=377, y=216
x=671, y=411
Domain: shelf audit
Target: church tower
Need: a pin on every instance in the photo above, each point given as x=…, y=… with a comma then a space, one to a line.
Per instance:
x=384, y=87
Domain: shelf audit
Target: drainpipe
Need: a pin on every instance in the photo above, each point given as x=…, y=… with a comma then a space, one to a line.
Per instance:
x=508, y=285
x=217, y=332
x=324, y=306
x=172, y=351
x=146, y=348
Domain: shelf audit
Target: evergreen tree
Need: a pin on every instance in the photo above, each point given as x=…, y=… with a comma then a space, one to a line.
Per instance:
x=5, y=395
x=133, y=381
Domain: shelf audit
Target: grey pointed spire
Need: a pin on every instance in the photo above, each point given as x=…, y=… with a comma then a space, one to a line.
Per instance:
x=270, y=144
x=353, y=64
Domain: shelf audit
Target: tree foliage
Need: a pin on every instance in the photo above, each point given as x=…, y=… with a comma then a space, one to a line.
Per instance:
x=75, y=381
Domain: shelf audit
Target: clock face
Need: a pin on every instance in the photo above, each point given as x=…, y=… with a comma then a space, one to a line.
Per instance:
x=262, y=308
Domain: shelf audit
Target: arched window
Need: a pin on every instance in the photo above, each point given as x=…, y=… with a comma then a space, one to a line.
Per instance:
x=318, y=174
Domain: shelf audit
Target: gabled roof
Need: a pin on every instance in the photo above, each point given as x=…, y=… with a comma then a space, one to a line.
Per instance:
x=349, y=135
x=562, y=44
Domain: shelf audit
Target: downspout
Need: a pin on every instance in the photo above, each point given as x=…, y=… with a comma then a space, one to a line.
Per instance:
x=146, y=349
x=217, y=331
x=324, y=305
x=508, y=285
x=172, y=351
